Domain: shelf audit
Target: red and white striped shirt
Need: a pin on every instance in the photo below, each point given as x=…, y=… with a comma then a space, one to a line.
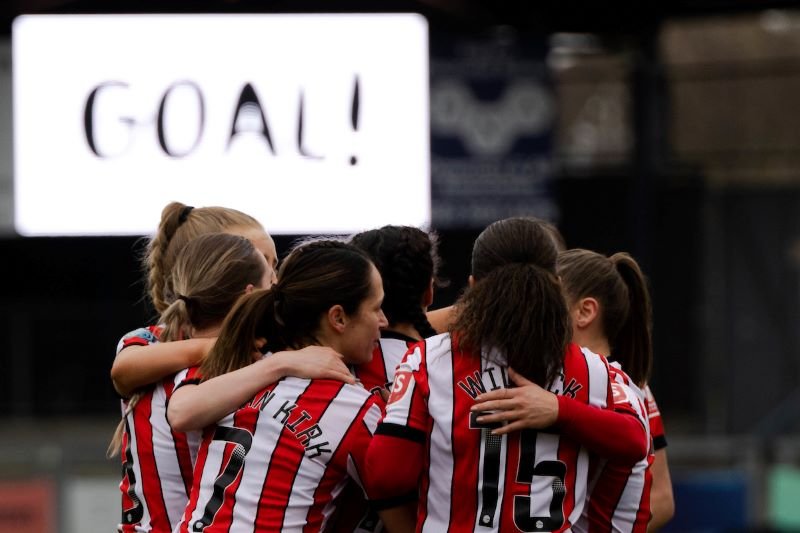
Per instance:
x=376, y=376
x=279, y=462
x=473, y=480
x=619, y=494
x=386, y=357
x=157, y=462
x=656, y=422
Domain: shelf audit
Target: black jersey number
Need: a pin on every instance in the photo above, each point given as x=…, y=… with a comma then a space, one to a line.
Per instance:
x=134, y=514
x=527, y=469
x=242, y=439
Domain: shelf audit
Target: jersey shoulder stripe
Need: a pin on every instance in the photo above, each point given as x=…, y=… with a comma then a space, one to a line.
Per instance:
x=140, y=337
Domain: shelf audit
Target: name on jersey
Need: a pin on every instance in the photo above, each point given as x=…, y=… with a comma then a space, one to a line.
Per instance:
x=302, y=425
x=479, y=382
x=570, y=389
x=494, y=378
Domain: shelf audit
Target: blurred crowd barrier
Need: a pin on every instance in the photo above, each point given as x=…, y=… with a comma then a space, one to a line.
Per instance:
x=55, y=478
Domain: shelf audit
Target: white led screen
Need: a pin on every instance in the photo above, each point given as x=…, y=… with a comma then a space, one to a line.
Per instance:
x=311, y=123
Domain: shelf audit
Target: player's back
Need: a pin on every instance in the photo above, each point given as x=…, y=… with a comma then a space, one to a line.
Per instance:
x=476, y=481
x=278, y=462
x=157, y=462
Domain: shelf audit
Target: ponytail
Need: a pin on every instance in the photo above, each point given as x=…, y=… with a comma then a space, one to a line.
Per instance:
x=157, y=261
x=210, y=273
x=314, y=277
x=116, y=440
x=632, y=345
x=176, y=321
x=420, y=322
x=179, y=225
x=619, y=286
x=517, y=310
x=252, y=317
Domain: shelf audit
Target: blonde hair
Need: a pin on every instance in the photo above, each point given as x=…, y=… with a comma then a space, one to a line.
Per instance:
x=211, y=273
x=179, y=225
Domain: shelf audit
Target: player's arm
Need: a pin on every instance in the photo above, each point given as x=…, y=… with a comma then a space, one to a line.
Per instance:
x=662, y=502
x=616, y=434
x=138, y=365
x=400, y=519
x=401, y=433
x=195, y=406
x=393, y=490
x=388, y=485
x=441, y=319
x=396, y=514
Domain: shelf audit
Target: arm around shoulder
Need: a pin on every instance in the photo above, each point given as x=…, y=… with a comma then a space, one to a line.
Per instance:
x=139, y=366
x=616, y=436
x=196, y=406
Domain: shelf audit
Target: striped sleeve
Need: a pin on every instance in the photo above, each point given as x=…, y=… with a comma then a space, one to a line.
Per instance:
x=401, y=433
x=139, y=337
x=626, y=396
x=655, y=420
x=609, y=425
x=187, y=376
x=406, y=413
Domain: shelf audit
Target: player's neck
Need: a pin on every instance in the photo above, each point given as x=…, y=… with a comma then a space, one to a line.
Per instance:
x=596, y=343
x=406, y=329
x=601, y=347
x=205, y=333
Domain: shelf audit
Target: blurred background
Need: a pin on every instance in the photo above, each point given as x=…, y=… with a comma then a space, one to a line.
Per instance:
x=666, y=131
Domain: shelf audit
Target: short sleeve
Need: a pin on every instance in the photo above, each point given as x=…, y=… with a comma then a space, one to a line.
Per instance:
x=401, y=433
x=139, y=337
x=406, y=411
x=656, y=422
x=626, y=396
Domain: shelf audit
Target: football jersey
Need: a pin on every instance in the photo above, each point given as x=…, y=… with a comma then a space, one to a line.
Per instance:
x=378, y=373
x=279, y=462
x=656, y=422
x=475, y=481
x=619, y=494
x=157, y=462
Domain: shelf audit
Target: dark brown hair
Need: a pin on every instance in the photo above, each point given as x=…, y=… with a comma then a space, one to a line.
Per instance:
x=314, y=277
x=619, y=286
x=515, y=307
x=558, y=238
x=179, y=225
x=408, y=260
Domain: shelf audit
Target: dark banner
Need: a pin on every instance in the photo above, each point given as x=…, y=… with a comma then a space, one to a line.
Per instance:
x=492, y=119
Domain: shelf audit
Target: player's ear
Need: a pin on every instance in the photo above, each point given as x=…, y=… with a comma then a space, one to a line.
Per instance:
x=427, y=296
x=337, y=318
x=471, y=281
x=585, y=311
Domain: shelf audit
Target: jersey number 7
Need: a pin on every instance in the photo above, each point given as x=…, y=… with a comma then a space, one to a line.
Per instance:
x=242, y=440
